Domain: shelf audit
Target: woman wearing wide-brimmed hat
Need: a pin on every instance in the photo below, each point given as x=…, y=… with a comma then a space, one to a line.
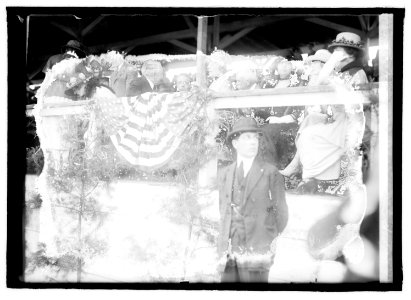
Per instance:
x=346, y=59
x=320, y=148
x=323, y=163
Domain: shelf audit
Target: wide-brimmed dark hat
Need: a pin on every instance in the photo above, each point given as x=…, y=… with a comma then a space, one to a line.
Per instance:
x=244, y=124
x=347, y=39
x=75, y=45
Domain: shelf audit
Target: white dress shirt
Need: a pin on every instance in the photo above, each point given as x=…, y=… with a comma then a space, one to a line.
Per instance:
x=247, y=162
x=150, y=83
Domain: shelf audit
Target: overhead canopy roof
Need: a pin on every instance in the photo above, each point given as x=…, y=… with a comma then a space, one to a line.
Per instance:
x=176, y=33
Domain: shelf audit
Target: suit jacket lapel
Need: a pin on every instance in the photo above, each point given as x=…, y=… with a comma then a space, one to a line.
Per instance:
x=253, y=176
x=230, y=180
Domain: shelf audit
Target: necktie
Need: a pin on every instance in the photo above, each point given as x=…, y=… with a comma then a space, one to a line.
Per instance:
x=240, y=173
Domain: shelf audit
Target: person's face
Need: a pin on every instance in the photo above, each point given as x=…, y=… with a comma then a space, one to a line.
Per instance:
x=96, y=68
x=183, y=84
x=345, y=57
x=154, y=72
x=246, y=144
x=284, y=69
x=316, y=67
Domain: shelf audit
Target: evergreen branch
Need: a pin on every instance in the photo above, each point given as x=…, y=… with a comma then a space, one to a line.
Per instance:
x=85, y=196
x=70, y=208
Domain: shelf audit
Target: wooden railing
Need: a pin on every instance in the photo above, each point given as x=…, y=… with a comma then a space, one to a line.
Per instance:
x=296, y=96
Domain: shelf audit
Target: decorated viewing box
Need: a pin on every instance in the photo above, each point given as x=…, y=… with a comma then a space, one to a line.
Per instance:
x=129, y=184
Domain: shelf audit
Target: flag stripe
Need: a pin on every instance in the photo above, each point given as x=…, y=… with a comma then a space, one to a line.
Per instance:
x=152, y=125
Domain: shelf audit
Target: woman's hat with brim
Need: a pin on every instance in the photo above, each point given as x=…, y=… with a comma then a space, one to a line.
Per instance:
x=244, y=124
x=347, y=39
x=75, y=45
x=322, y=55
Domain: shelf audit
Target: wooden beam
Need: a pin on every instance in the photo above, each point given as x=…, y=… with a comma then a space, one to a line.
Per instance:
x=373, y=29
x=27, y=36
x=236, y=37
x=154, y=39
x=335, y=26
x=91, y=25
x=216, y=31
x=258, y=46
x=296, y=96
x=368, y=22
x=225, y=38
x=187, y=33
x=35, y=72
x=183, y=45
x=65, y=29
x=363, y=23
x=202, y=29
x=265, y=44
x=257, y=22
x=374, y=25
x=129, y=49
x=190, y=25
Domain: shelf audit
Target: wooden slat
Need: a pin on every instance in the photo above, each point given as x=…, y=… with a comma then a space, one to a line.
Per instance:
x=183, y=45
x=278, y=91
x=91, y=25
x=65, y=29
x=335, y=26
x=69, y=104
x=63, y=111
x=235, y=37
x=283, y=100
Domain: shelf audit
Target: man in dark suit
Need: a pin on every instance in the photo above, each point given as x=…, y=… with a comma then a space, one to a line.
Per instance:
x=253, y=209
x=69, y=50
x=153, y=80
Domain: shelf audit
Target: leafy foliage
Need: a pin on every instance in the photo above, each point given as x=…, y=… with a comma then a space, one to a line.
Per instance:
x=34, y=160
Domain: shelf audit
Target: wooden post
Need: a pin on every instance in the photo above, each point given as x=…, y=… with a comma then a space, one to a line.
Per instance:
x=385, y=145
x=27, y=36
x=216, y=31
x=202, y=51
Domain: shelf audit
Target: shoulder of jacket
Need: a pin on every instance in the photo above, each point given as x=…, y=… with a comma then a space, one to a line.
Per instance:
x=268, y=167
x=272, y=169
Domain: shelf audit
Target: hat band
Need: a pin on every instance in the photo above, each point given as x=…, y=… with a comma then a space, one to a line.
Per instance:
x=348, y=42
